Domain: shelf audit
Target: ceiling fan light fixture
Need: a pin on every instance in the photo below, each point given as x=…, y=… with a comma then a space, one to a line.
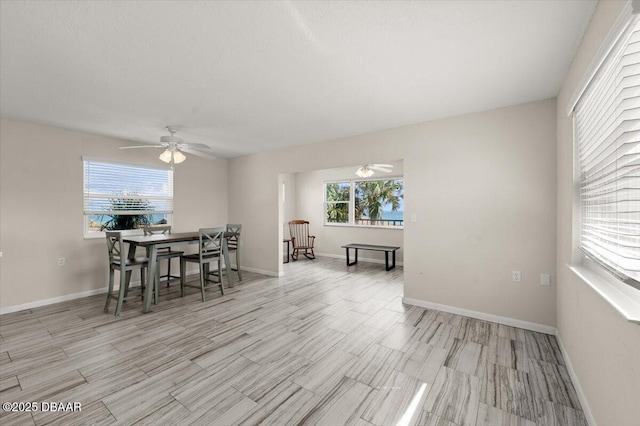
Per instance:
x=166, y=156
x=364, y=172
x=178, y=157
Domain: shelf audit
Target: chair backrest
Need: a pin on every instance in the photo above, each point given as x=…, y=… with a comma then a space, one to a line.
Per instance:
x=299, y=231
x=157, y=229
x=233, y=240
x=211, y=241
x=115, y=246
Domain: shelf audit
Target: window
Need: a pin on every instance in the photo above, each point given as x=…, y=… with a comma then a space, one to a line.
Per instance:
x=365, y=203
x=125, y=197
x=607, y=131
x=337, y=202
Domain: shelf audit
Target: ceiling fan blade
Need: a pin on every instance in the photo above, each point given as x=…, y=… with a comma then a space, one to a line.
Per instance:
x=194, y=146
x=142, y=146
x=198, y=153
x=385, y=166
x=380, y=169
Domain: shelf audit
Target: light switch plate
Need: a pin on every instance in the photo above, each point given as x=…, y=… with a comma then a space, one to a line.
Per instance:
x=545, y=279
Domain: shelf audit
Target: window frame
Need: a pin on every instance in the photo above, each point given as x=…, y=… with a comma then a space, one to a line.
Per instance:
x=581, y=255
x=352, y=211
x=624, y=298
x=87, y=234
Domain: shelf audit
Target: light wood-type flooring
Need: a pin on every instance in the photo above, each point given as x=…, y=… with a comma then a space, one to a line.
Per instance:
x=325, y=344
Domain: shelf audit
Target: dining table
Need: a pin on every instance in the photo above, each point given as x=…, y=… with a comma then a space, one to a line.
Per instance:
x=158, y=241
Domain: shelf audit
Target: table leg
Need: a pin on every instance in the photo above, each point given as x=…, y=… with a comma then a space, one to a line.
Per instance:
x=386, y=260
x=151, y=278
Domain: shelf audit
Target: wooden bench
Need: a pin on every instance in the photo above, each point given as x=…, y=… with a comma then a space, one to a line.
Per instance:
x=372, y=247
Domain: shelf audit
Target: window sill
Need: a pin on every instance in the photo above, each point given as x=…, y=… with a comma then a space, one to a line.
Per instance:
x=346, y=225
x=97, y=235
x=625, y=301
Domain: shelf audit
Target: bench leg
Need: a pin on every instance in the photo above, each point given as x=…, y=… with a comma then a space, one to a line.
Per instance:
x=356, y=259
x=386, y=260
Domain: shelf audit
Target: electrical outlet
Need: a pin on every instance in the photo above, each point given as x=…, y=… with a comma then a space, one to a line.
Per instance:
x=62, y=261
x=545, y=279
x=516, y=276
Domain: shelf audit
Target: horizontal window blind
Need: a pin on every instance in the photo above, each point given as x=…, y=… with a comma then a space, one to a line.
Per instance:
x=607, y=120
x=126, y=189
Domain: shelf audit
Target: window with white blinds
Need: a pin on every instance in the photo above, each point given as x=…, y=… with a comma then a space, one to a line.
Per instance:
x=607, y=125
x=123, y=196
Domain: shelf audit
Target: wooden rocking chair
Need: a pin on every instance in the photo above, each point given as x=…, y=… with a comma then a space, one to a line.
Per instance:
x=301, y=241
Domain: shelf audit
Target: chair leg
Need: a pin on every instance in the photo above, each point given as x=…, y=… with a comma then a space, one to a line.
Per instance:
x=156, y=286
x=110, y=290
x=183, y=267
x=206, y=273
x=202, y=278
x=143, y=282
x=156, y=290
x=220, y=275
x=238, y=264
x=122, y=291
x=168, y=272
x=127, y=280
x=182, y=271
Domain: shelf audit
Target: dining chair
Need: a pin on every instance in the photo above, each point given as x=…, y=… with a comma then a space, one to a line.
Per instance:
x=211, y=245
x=233, y=244
x=164, y=253
x=118, y=261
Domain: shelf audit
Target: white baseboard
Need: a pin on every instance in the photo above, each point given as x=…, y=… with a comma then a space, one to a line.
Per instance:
x=260, y=271
x=51, y=301
x=72, y=296
x=576, y=383
x=360, y=258
x=541, y=328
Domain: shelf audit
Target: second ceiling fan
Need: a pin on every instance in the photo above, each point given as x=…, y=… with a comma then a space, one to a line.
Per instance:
x=368, y=169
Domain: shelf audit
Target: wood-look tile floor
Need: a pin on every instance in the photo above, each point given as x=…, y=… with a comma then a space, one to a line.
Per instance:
x=325, y=344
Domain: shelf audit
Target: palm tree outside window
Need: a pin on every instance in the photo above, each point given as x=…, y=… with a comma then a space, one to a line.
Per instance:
x=365, y=202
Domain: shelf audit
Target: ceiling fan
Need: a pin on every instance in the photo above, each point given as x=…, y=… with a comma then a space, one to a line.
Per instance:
x=175, y=148
x=368, y=169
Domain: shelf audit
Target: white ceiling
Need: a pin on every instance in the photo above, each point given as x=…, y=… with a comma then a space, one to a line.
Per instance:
x=253, y=76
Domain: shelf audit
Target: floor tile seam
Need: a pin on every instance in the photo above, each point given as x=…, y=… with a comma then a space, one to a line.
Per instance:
x=257, y=400
x=70, y=357
x=514, y=409
x=65, y=389
x=453, y=422
x=559, y=403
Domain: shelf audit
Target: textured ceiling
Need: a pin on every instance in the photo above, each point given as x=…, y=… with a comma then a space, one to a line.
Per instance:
x=247, y=76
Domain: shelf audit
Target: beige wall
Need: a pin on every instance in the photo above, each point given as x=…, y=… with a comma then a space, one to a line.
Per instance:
x=604, y=349
x=329, y=239
x=481, y=185
x=290, y=203
x=41, y=219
